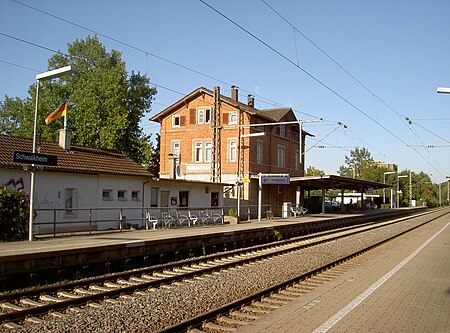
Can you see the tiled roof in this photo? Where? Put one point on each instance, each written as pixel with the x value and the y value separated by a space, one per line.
pixel 79 159
pixel 275 114
pixel 270 114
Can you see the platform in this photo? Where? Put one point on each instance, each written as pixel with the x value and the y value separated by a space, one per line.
pixel 403 287
pixel 23 263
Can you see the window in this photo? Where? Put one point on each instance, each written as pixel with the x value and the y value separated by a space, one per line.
pixel 122 195
pixel 154 197
pixel 203 116
pixel 232 118
pixel 176 147
pixel 70 201
pixel 135 195
pixel 107 194
pixel 198 151
pixel 200 116
pixel 280 162
pixel 281 130
pixel 297 160
pixel 208 151
pixel 176 121
pixel 259 152
pixel 232 151
pixel 184 198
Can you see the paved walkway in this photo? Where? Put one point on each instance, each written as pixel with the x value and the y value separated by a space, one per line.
pixel 403 287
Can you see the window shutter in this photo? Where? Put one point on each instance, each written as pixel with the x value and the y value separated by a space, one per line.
pixel 182 120
pixel 192 116
pixel 224 118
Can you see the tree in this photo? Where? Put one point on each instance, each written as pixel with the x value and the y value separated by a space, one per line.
pixel 106 104
pixel 14 208
pixel 361 165
pixel 312 171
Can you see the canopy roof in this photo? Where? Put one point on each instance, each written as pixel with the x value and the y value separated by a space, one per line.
pixel 336 182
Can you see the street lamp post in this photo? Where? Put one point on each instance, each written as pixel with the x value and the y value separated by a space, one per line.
pixel 410 186
pixel 384 182
pixel 41 77
pixel 398 189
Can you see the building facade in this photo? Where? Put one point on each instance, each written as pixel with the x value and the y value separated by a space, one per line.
pixel 210 137
pixel 96 189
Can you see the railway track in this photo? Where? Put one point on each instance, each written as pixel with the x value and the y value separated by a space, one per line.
pixel 31 305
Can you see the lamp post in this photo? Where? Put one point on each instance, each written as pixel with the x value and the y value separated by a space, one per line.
pixel 41 77
pixel 410 186
pixel 398 188
pixel 384 182
pixel 443 90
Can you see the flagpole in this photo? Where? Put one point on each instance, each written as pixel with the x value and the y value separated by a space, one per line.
pixel 65 115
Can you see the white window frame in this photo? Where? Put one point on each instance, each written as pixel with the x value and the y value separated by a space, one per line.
pixel 232 117
pixel 200 116
pixel 176 146
pixel 198 152
pixel 232 150
pixel 259 151
pixel 281 156
pixel 174 120
pixel 208 151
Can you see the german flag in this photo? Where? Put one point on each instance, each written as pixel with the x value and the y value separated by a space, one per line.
pixel 58 113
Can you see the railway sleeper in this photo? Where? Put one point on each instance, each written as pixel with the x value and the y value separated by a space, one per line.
pixel 34 320
pixel 242 316
pixel 265 305
pixel 68 295
pixel 30 302
pixel 57 314
pixel 51 299
pixel 83 291
pixel 292 293
pixel 10 306
pixel 98 288
pixel 283 297
pixel 215 328
pixel 254 310
pixel 12 326
pixel 273 301
pixel 224 320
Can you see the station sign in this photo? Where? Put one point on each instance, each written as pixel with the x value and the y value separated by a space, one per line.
pixel 33 158
pixel 275 179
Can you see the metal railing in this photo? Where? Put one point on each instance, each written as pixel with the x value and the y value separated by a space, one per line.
pixel 89 220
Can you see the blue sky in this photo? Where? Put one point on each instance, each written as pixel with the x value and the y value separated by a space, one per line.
pixel 399 51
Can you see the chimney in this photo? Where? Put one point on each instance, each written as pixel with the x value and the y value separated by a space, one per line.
pixel 234 93
pixel 251 101
pixel 64 138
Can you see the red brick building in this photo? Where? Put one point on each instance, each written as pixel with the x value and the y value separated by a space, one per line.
pixel 207 136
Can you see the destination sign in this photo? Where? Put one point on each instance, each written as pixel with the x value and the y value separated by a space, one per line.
pixel 32 158
pixel 275 179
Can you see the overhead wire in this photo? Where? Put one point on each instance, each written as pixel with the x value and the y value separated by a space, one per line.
pixel 147 53
pixel 315 78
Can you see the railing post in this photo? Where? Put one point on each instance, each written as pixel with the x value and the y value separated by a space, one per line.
pixel 54 222
pixel 248 213
pixel 120 219
pixel 90 221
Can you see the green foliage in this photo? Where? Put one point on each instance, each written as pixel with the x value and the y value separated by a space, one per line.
pixel 106 104
pixel 232 212
pixel 312 171
pixel 14 213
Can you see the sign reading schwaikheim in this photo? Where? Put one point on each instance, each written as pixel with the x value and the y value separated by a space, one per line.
pixel 32 158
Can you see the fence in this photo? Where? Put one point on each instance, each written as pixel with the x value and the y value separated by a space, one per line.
pixel 88 220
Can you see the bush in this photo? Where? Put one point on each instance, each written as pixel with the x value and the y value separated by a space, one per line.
pixel 14 214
